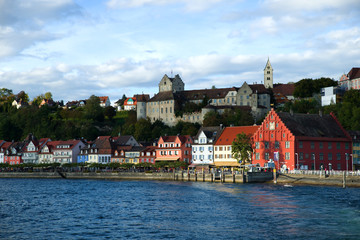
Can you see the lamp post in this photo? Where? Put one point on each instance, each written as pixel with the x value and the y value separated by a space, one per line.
pixel 346 159
pixel 297 161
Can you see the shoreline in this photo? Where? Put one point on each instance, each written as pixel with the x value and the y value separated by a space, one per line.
pixel 290 179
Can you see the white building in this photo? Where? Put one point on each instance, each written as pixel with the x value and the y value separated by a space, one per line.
pixel 203 146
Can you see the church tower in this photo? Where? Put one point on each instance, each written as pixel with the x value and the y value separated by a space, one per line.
pixel 268 75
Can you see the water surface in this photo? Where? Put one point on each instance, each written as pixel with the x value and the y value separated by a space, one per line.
pixel 96 209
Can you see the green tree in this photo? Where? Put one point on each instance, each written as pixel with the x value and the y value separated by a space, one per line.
pixel 212 119
pixel 48 95
pixel 241 148
pixel 143 130
pixel 93 110
pixel 109 112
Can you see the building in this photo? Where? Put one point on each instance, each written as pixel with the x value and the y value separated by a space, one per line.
pixel 130 104
pixel 331 95
pixel 169 103
pixel 67 151
pixel 301 141
pixel 203 146
pixel 104 101
pixel 99 151
pixel 174 148
pixel 141 100
pixel 13 152
pixel 148 155
pixel 354 158
pixel 30 152
pixel 283 93
pixel 268 75
pixel 350 80
pixel 222 148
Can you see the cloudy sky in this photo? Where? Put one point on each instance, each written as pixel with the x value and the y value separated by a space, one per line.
pixel 77 48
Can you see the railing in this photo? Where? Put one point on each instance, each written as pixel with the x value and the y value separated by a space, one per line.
pixel 327 172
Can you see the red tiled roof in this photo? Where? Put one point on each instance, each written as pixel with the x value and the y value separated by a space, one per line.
pixel 284 89
pixel 103 99
pixel 229 134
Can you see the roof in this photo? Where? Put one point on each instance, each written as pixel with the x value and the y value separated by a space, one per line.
pixel 312 125
pixel 229 134
pixel 142 97
pixel 210 93
pixel 258 88
pixel 182 138
pixel 284 89
pixel 104 99
pixel 210 132
pixel 168 95
pixel 122 140
pixel 134 101
pixel 354 73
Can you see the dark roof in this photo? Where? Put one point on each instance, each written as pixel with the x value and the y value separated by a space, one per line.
pixel 312 125
pixel 168 95
pixel 210 132
pixel 258 88
pixel 142 97
pixel 354 73
pixel 231 107
pixel 122 140
pixel 355 135
pixel 284 89
pixel 210 93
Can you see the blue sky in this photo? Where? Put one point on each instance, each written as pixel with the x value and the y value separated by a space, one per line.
pixel 77 48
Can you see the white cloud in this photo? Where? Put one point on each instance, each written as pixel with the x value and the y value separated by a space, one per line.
pixel 190 5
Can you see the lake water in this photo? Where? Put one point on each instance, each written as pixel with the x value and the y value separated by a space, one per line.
pixel 96 209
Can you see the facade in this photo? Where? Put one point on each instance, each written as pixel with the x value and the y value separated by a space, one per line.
pixel 167 105
pixel 13 153
pixel 30 153
pixel 283 93
pixel 268 75
pixel 67 151
pixel 174 84
pixel 203 146
pixel 301 141
pixel 148 155
pixel 104 101
pixel 99 151
pixel 222 148
pixel 331 95
pixel 350 80
pixel 174 148
pixel 354 158
pixel 46 154
pixel 130 104
pixel 141 100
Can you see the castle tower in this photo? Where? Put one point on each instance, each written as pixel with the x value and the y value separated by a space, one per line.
pixel 268 75
pixel 171 84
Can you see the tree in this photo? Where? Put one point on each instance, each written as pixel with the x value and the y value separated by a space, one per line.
pixel 93 110
pixel 241 148
pixel 109 112
pixel 48 96
pixel 212 119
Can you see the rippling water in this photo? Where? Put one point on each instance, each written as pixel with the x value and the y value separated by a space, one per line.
pixel 87 209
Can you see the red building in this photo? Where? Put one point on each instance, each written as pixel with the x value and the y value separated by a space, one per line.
pixel 174 148
pixel 302 141
pixel 148 155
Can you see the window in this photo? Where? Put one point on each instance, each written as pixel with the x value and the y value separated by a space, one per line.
pixel 287 144
pixel 321 145
pixel 329 145
pixel 321 156
pixel 300 144
pixel 339 166
pixel 338 156
pixel 287 156
pixel 266 145
pixel 346 145
pixel 337 145
pixel 266 156
pixel 329 156
pixel 301 156
pixel 312 145
pixel 257 156
pixel 277 144
pixel 257 145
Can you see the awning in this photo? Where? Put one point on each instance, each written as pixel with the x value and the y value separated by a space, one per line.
pixel 167 159
pixel 227 164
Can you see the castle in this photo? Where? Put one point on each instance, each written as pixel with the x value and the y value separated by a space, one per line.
pixel 254 98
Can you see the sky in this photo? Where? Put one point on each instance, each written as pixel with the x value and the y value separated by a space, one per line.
pixel 78 48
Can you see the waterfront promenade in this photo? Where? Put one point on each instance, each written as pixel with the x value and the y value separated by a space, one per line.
pixel 300 178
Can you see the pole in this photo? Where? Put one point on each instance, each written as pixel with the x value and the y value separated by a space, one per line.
pixel 297 161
